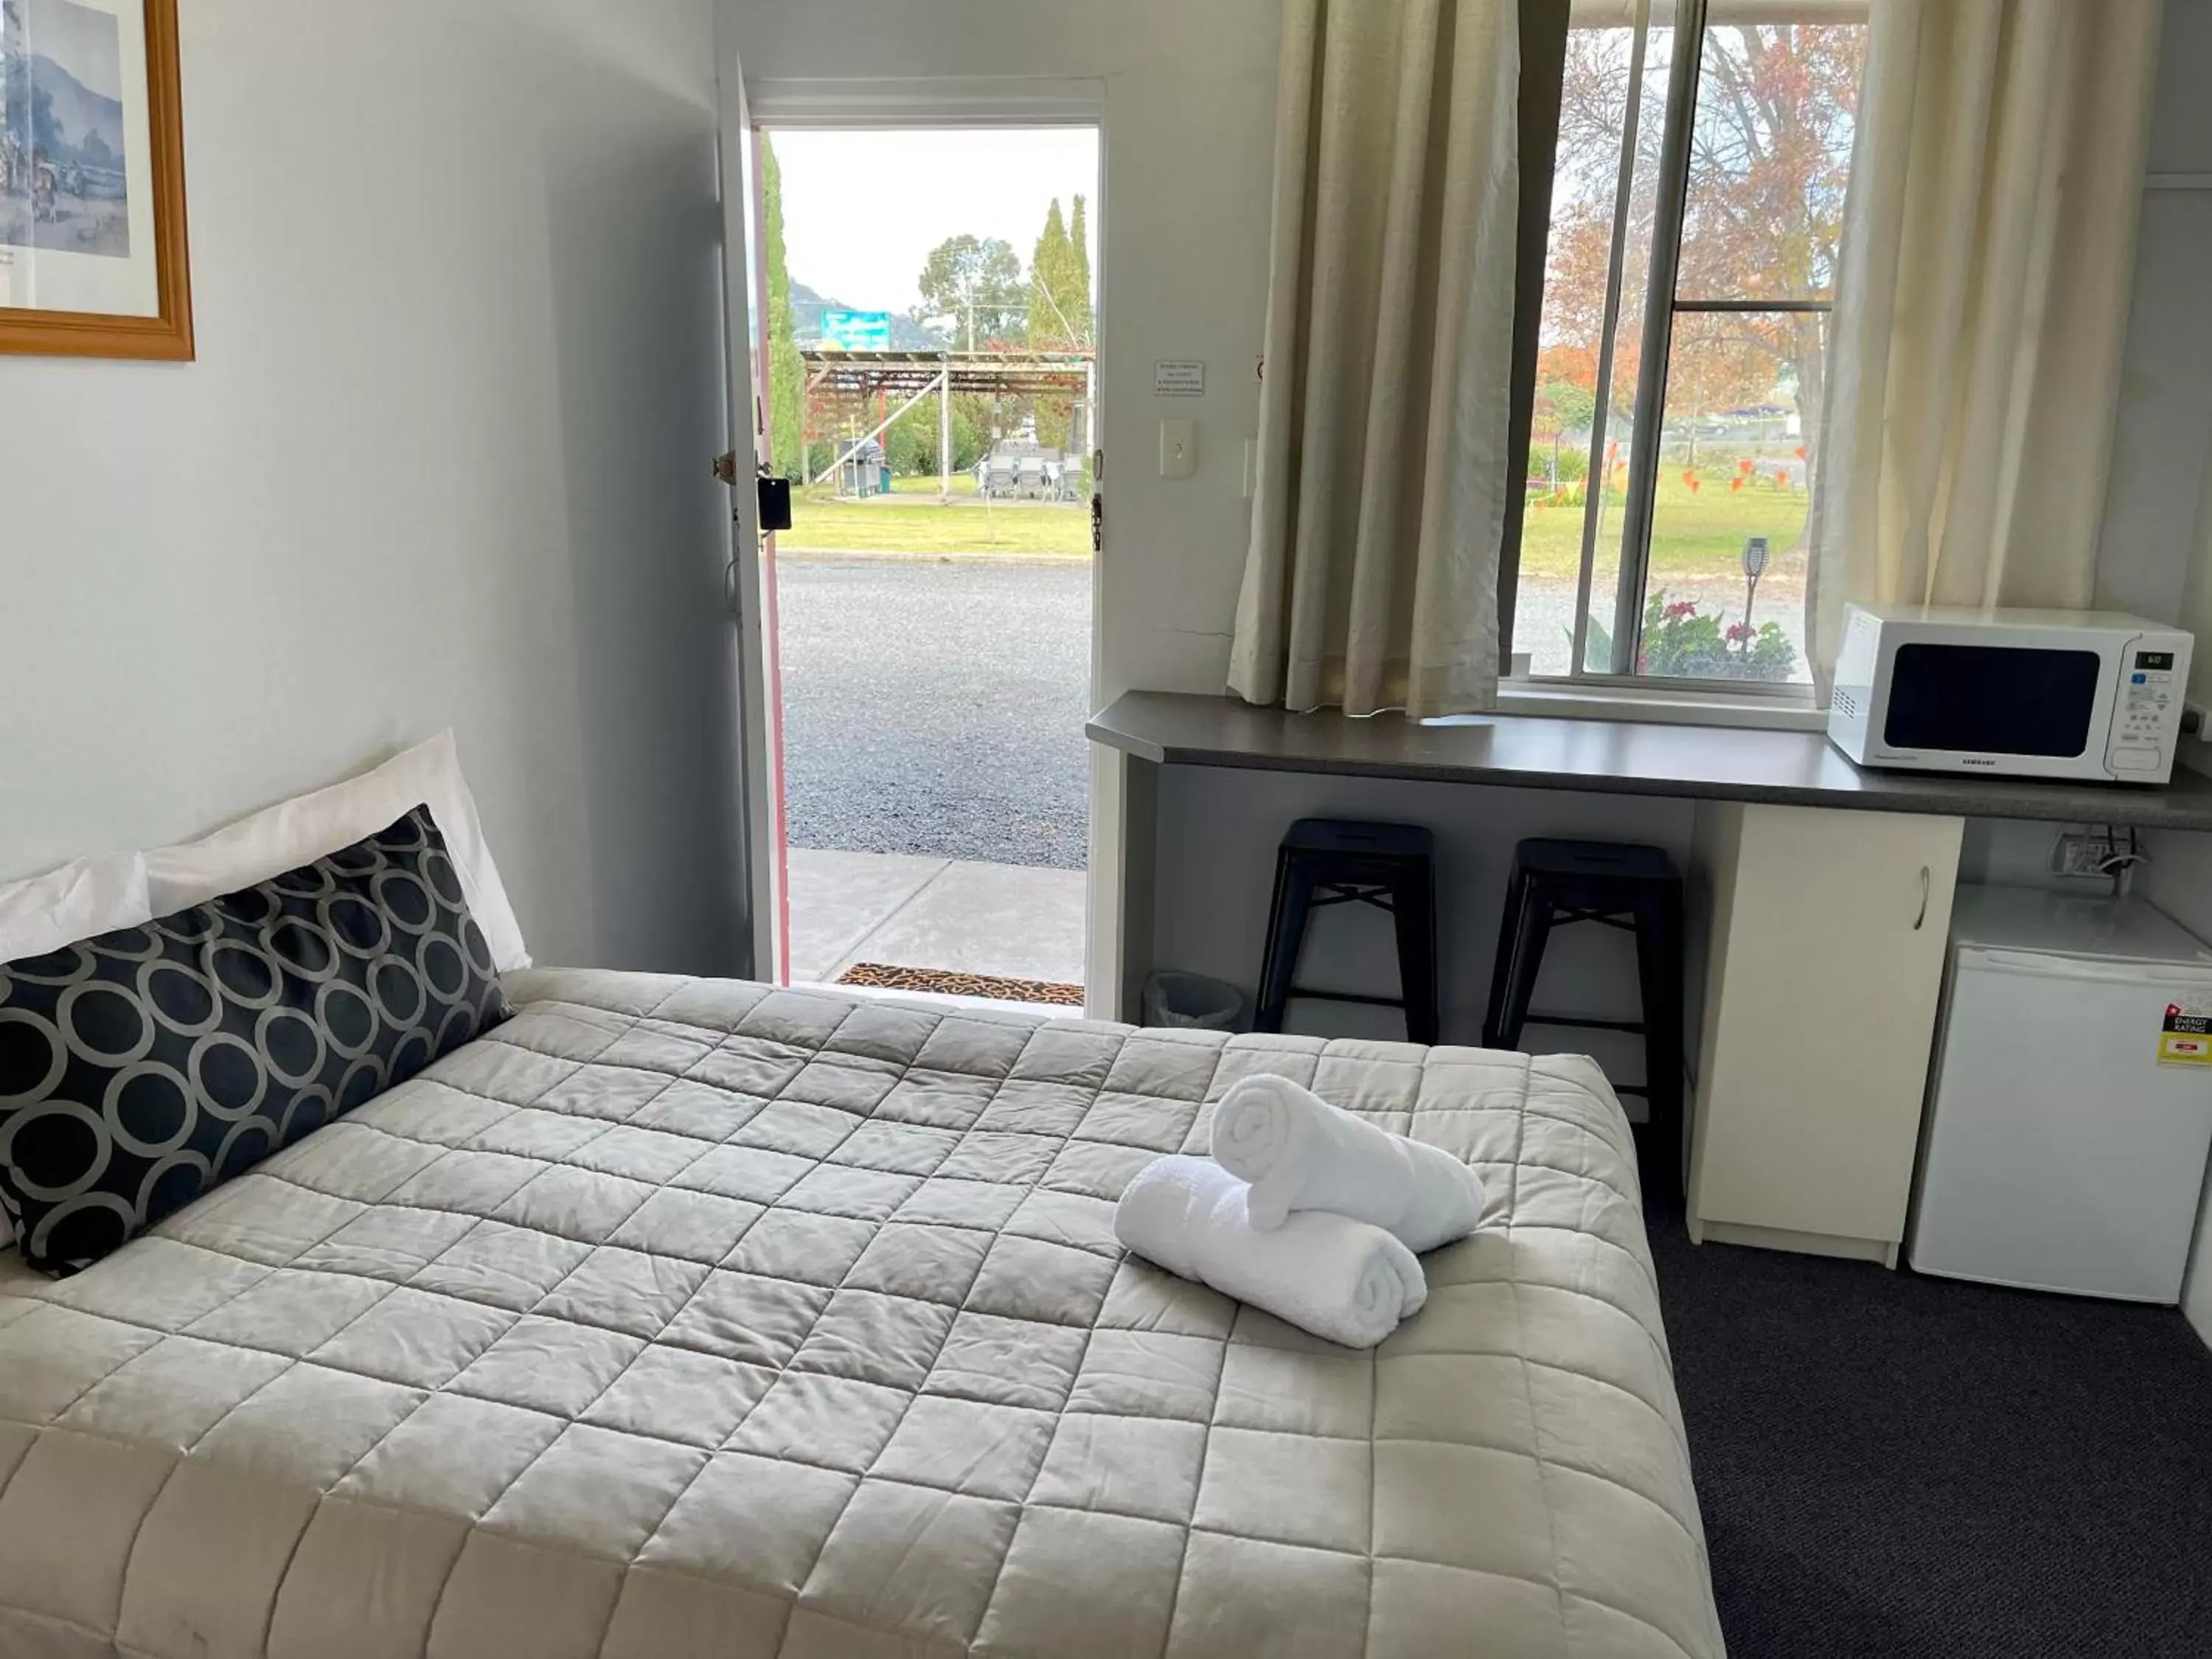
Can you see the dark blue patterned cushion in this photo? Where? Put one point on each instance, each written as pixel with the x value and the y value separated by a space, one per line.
pixel 148 1066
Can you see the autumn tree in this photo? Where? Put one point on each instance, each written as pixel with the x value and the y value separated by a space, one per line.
pixel 1770 157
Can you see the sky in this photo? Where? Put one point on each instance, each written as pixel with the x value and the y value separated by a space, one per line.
pixel 861 210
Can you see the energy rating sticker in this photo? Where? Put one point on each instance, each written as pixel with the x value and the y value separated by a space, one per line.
pixel 2186 1039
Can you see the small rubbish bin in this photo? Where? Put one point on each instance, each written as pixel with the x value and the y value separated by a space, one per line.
pixel 1192 1000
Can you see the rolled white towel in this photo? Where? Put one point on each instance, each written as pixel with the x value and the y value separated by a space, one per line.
pixel 1340 1279
pixel 1301 1153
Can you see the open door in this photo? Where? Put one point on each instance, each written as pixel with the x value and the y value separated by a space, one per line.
pixel 748 584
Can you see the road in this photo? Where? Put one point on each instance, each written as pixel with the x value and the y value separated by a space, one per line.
pixel 937 707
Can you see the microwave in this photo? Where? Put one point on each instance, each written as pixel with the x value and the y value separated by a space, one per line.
pixel 2024 694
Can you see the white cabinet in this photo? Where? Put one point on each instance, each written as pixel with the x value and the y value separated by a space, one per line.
pixel 1825 940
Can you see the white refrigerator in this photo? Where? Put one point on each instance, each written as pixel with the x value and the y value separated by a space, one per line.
pixel 2070 1110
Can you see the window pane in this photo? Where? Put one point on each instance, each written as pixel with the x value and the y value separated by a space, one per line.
pixel 1736 454
pixel 1585 188
pixel 1770 153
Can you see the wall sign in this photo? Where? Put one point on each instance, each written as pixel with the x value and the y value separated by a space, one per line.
pixel 1179 377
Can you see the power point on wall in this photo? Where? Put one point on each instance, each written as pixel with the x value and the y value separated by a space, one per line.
pixel 2106 853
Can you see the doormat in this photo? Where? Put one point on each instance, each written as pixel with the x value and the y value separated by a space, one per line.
pixel 961 985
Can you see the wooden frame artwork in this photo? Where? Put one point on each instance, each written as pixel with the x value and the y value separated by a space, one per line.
pixel 93 259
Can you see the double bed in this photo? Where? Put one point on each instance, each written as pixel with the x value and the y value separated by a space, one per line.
pixel 686 1317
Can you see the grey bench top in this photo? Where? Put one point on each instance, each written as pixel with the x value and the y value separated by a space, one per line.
pixel 1622 757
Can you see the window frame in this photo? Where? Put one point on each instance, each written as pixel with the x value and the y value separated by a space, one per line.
pixel 1542 95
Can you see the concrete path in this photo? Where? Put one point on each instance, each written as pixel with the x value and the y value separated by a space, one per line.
pixel 958 916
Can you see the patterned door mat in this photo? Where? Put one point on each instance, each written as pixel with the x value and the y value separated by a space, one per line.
pixel 888 978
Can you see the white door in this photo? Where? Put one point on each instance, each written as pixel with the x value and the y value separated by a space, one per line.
pixel 1828 958
pixel 746 584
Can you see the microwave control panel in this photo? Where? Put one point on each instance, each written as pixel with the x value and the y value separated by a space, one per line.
pixel 2147 724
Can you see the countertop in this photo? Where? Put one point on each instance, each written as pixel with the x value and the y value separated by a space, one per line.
pixel 1623 757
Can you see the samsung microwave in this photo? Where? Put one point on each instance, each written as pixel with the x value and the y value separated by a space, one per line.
pixel 2027 694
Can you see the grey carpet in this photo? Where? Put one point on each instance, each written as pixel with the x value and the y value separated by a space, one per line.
pixel 1899 1465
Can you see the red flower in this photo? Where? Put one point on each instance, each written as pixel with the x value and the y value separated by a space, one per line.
pixel 1681 608
pixel 1741 633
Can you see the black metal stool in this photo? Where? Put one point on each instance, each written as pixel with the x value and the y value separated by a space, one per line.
pixel 1637 890
pixel 1326 861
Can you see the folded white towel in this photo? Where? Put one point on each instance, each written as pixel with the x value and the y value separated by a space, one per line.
pixel 1299 1152
pixel 1340 1279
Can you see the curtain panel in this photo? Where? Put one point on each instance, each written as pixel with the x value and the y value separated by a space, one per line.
pixel 1371 578
pixel 1988 259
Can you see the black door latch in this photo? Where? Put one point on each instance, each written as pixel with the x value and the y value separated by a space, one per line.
pixel 775 504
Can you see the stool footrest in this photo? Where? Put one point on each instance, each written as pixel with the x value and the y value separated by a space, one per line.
pixel 1296 992
pixel 1577 1020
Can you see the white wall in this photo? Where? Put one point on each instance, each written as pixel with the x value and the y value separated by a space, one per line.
pixel 442 461
pixel 2196 617
pixel 2163 440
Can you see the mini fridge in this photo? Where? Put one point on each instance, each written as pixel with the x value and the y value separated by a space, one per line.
pixel 2070 1113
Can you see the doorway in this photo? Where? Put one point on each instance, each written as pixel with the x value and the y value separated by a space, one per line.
pixel 926 344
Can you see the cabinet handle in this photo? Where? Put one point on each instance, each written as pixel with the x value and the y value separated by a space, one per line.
pixel 1918 921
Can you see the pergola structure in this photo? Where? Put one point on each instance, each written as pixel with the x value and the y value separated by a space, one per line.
pixel 861 377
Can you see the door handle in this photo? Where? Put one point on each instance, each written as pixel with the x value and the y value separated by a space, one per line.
pixel 1920 920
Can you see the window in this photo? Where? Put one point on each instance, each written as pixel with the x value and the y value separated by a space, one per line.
pixel 1703 147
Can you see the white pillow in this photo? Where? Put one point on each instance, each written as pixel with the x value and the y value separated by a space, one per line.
pixel 80 900
pixel 307 827
pixel 89 896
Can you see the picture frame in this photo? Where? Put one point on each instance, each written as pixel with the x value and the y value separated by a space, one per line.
pixel 95 258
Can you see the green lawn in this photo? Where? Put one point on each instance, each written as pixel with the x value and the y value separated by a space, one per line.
pixel 1698 533
pixel 926 526
pixel 963 484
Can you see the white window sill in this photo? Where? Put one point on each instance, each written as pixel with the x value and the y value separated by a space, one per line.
pixel 1564 701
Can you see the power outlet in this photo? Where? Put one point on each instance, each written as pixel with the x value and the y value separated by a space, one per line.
pixel 2085 855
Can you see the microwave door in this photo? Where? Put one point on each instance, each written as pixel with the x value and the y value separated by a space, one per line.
pixel 2019 701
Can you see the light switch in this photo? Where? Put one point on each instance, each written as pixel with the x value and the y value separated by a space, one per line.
pixel 1178 447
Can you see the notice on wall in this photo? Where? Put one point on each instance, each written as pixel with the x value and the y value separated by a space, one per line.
pixel 2186 1039
pixel 1179 377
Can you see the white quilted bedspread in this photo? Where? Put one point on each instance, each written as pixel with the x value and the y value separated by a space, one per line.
pixel 687 1318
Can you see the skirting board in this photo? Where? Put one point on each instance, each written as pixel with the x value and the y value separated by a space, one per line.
pixel 1781 1239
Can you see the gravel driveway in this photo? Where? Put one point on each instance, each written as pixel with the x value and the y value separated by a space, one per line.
pixel 937 707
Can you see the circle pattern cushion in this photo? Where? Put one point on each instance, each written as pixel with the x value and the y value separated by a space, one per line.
pixel 144 1067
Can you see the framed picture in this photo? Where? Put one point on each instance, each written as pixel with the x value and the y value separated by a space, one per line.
pixel 92 258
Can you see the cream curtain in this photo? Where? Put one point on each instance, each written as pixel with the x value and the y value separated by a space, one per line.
pixel 1988 254
pixel 1371 578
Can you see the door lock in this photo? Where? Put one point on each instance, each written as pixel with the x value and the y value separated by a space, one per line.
pixel 774 503
pixel 773 493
